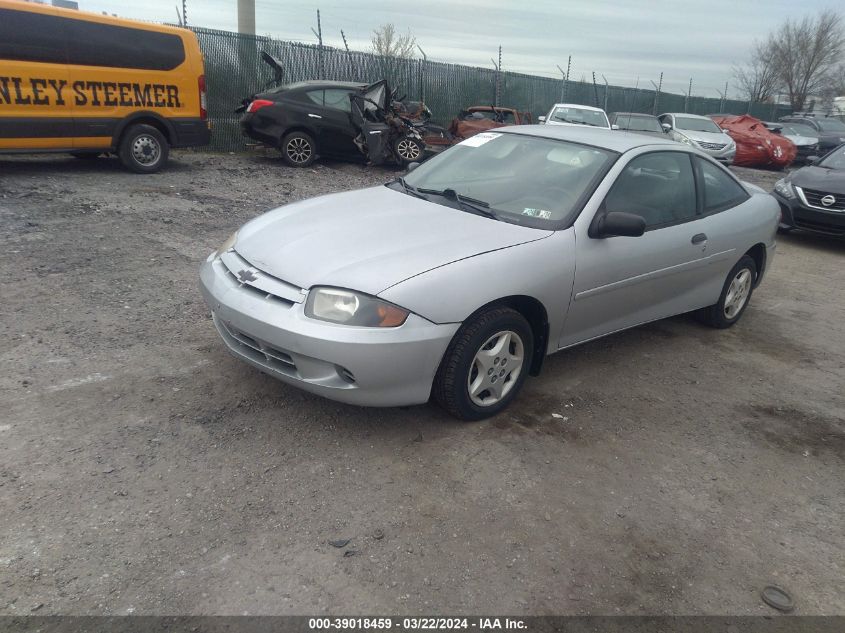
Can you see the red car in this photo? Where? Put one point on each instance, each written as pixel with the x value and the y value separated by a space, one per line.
pixel 756 146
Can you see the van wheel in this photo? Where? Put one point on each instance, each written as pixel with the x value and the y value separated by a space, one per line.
pixel 143 149
pixel 86 155
pixel 298 149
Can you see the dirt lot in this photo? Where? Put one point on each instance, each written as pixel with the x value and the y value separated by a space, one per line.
pixel 144 470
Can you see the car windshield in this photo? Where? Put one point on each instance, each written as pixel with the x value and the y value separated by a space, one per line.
pixel 502 116
pixel 831 125
pixel 834 160
pixel 696 125
pixel 798 129
pixel 524 179
pixel 582 116
pixel 638 123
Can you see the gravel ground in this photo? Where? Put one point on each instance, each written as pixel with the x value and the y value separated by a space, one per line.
pixel 144 470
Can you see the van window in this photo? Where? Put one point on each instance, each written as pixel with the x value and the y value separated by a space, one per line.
pixel 31 37
pixel 36 37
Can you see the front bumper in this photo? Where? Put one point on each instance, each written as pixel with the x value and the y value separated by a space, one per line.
pixel 364 366
pixel 796 215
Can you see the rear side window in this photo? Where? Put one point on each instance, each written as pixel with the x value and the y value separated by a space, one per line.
pixel 720 190
pixel 36 37
pixel 338 99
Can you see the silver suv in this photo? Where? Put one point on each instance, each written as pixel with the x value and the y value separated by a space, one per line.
pixel 701 133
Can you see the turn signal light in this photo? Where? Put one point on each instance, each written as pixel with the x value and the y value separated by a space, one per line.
pixel 391 316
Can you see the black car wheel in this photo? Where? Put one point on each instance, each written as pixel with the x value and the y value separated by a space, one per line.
pixel 408 149
pixel 298 149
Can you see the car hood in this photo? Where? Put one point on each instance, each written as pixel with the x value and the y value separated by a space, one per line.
pixel 801 140
pixel 706 137
pixel 819 178
pixel 647 133
pixel 369 240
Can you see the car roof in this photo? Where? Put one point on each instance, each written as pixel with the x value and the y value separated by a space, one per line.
pixel 634 114
pixel 325 84
pixel 614 140
pixel 691 116
pixel 577 105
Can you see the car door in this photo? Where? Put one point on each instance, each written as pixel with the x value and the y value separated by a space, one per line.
pixel 337 132
pixel 624 281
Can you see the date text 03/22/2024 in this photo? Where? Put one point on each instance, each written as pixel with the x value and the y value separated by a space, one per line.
pixel 417 624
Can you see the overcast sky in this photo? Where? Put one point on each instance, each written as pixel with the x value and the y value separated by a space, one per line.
pixel 622 39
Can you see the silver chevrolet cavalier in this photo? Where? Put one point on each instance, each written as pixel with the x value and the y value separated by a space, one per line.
pixel 455 281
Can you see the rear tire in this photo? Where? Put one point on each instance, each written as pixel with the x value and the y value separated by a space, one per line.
pixel 298 149
pixel 485 365
pixel 143 149
pixel 735 297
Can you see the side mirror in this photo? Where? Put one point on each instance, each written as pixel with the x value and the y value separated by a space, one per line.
pixel 614 127
pixel 412 166
pixel 541 119
pixel 666 126
pixel 812 160
pixel 618 223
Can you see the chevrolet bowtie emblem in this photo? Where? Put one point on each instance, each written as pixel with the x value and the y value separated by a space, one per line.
pixel 246 275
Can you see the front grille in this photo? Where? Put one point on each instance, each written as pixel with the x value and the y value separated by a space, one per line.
pixel 819 227
pixel 256 281
pixel 713 147
pixel 814 197
pixel 257 350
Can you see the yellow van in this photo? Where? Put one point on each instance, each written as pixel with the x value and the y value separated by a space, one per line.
pixel 91 84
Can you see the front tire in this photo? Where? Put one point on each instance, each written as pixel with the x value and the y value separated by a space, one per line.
pixel 485 365
pixel 408 150
pixel 736 294
pixel 143 149
pixel 298 149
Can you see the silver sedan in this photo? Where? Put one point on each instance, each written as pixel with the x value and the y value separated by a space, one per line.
pixel 457 280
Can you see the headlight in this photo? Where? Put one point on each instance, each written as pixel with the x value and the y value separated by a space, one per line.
pixel 784 188
pixel 228 244
pixel 352 308
pixel 731 144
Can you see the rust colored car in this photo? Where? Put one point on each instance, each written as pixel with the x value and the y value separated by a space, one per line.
pixel 477 119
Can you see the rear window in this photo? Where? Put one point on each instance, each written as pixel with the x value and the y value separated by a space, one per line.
pixel 36 37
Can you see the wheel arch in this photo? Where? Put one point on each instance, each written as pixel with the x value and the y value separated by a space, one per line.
pixel 144 118
pixel 535 313
pixel 758 254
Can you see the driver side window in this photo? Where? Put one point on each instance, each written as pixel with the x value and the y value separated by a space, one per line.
pixel 659 187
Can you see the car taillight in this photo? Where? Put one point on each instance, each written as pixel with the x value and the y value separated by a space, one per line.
pixel 256 105
pixel 203 99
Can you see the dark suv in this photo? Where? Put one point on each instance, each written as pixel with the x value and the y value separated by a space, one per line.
pixel 830 130
pixel 305 119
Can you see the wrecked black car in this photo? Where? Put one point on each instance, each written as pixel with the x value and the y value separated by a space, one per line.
pixel 336 119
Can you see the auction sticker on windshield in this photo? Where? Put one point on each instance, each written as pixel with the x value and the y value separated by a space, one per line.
pixel 479 139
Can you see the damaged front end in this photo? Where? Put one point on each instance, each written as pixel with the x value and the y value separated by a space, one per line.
pixel 387 132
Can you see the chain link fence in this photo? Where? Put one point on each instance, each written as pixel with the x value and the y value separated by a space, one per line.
pixel 234 71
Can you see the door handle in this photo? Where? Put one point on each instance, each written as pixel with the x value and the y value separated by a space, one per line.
pixel 314 116
pixel 699 238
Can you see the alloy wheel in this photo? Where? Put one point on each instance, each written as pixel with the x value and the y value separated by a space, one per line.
pixel 298 150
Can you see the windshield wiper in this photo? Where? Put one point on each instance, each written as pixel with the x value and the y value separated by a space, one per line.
pixel 408 188
pixel 477 206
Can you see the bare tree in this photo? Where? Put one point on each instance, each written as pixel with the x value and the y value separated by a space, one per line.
pixel 758 80
pixel 806 52
pixel 388 43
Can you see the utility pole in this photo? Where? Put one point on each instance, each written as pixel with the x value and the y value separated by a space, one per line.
pixel 657 88
pixel 498 68
pixel 246 17
pixel 319 34
pixel 606 87
pixel 595 90
pixel 688 96
pixel 348 56
pixel 422 65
